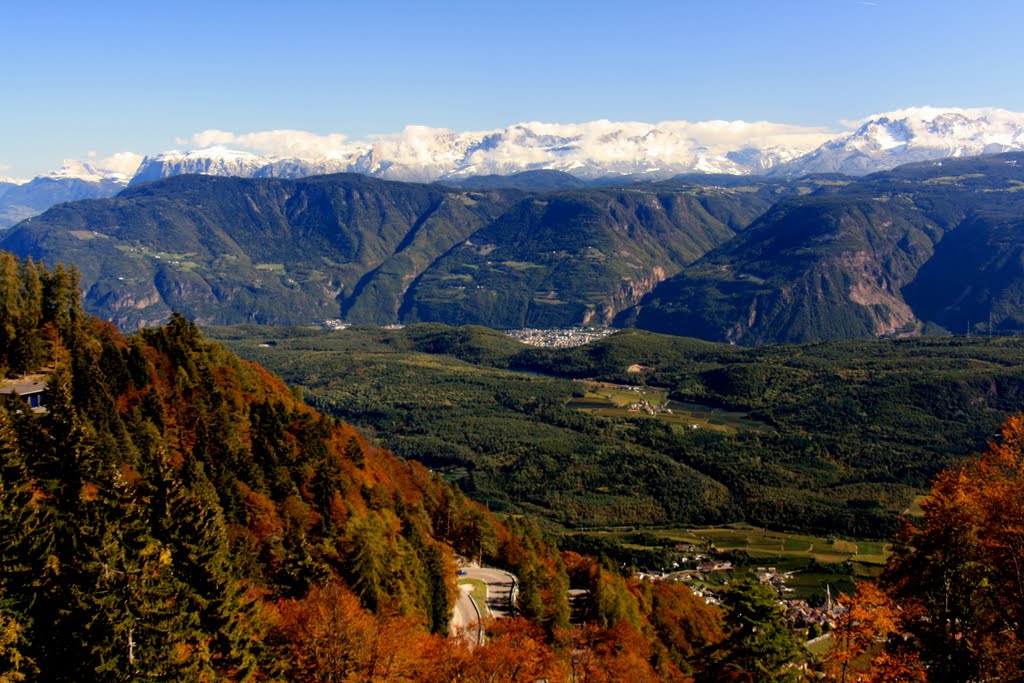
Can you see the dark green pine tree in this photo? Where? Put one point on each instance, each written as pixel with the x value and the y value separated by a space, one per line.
pixel 434 574
pixel 530 602
pixel 24 541
pixel 10 310
pixel 58 299
pixel 68 460
pixel 130 597
pixel 439 610
pixel 189 519
pixel 368 559
pixel 27 354
pixel 759 645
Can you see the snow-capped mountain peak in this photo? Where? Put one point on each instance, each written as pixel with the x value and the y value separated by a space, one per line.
pixel 592 149
pixel 596 148
pixel 887 140
pixel 222 161
pixel 83 170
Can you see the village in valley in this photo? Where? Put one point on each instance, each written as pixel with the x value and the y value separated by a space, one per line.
pixel 560 338
pixel 708 576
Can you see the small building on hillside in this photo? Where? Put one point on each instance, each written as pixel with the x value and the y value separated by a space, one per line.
pixel 33 393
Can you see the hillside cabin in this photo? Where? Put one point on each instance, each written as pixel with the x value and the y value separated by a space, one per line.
pixel 33 393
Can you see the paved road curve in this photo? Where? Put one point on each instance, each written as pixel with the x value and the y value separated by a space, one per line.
pixel 500 584
pixel 499 589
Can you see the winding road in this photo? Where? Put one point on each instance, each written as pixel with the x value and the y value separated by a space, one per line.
pixel 500 587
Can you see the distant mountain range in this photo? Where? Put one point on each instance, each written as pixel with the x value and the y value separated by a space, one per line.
pixel 601 148
pixel 281 251
pixel 928 247
pixel 590 151
pixel 76 180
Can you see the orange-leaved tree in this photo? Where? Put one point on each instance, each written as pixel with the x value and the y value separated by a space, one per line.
pixel 867 643
pixel 962 566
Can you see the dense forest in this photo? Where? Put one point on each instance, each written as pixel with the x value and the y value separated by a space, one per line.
pixel 832 438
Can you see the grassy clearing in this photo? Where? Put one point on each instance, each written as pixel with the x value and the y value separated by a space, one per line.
pixel 171 256
pixel 479 593
pixel 519 265
pixel 612 400
pixel 276 268
pixel 820 647
pixel 760 543
pixel 86 235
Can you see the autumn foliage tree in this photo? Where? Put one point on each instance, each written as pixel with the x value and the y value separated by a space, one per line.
pixel 962 566
pixel 867 643
pixel 328 636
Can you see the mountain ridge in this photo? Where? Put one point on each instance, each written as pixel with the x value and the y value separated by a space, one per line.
pixel 602 148
pixel 590 152
pixel 301 251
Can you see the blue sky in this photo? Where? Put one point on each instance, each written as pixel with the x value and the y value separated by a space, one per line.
pixel 107 77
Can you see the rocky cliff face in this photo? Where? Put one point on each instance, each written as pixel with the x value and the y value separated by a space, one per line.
pixel 628 294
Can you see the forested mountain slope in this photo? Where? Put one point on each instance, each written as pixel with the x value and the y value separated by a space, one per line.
pixel 225 250
pixel 575 257
pixel 934 245
pixel 230 249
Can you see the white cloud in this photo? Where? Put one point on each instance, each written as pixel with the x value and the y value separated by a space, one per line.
pixel 121 162
pixel 275 143
pixel 527 144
